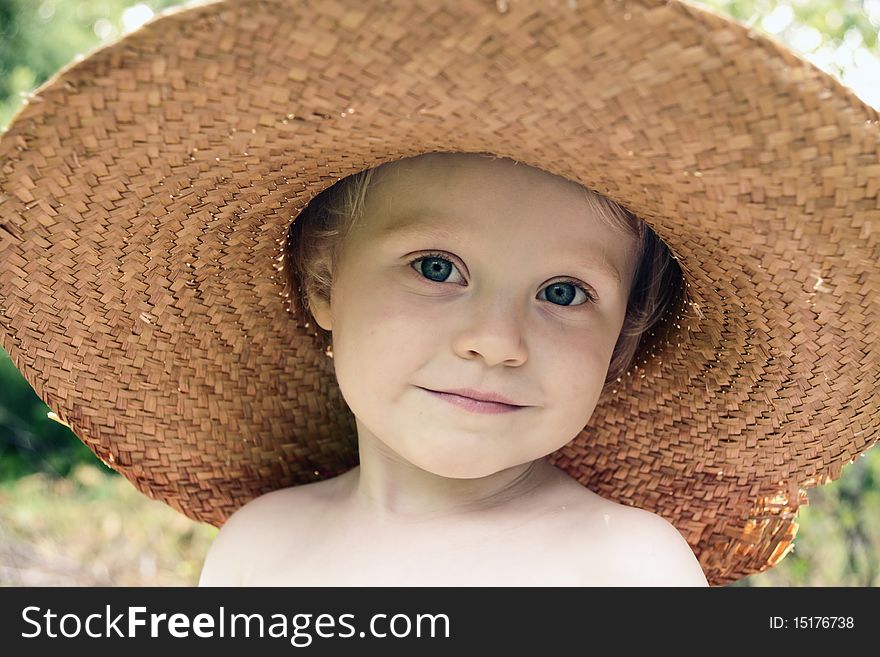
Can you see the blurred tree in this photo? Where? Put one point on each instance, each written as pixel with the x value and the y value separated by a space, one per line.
pixel 39 37
pixel 831 18
pixel 838 36
pixel 30 441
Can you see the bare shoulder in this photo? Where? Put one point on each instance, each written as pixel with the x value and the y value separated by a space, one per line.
pixel 612 544
pixel 250 533
pixel 648 550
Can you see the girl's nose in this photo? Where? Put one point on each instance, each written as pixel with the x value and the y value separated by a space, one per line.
pixel 494 333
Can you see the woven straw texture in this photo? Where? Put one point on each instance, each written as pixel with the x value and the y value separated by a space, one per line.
pixel 146 192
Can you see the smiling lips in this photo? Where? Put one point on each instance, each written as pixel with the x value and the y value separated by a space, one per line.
pixel 474 405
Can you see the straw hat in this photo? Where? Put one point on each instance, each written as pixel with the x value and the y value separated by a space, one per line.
pixel 146 193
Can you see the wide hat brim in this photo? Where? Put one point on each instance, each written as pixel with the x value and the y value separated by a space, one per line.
pixel 146 193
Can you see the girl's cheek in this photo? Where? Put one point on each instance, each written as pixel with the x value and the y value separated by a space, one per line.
pixel 405 300
pixel 579 364
pixel 396 321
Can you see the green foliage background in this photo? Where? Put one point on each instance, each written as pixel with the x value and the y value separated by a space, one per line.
pixel 839 539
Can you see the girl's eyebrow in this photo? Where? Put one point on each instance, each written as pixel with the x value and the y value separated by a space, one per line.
pixel 603 266
pixel 408 229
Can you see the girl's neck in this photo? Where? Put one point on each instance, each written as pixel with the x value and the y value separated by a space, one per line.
pixel 390 488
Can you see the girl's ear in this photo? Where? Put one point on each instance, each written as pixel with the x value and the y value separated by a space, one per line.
pixel 320 309
pixel 318 294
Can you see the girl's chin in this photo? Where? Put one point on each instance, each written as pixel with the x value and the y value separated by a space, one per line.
pixel 458 470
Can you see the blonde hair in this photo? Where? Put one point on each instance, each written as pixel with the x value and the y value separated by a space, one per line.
pixel 315 238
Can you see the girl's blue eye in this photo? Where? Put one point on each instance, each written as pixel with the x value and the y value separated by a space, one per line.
pixel 437 268
pixel 565 292
pixel 434 268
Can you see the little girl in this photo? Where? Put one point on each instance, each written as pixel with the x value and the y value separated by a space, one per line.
pixel 453 291
pixel 464 278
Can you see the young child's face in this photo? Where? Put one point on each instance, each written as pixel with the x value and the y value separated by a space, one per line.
pixel 487 316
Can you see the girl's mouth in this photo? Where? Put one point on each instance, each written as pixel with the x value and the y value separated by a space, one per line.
pixel 473 405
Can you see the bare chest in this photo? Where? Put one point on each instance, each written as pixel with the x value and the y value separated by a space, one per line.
pixel 426 569
pixel 528 555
